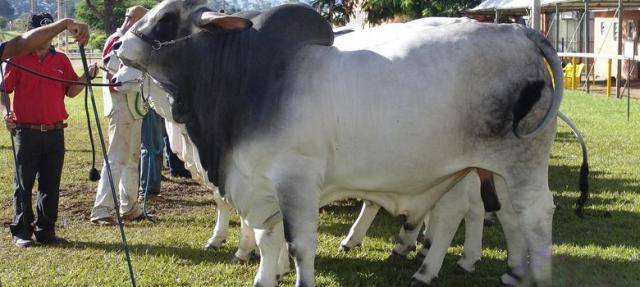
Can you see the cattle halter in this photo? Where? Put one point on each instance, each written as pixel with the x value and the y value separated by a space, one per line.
pixel 156 44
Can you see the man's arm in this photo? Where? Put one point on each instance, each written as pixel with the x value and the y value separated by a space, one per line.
pixel 74 90
pixel 30 41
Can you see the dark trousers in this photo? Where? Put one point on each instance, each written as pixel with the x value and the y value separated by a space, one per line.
pixel 39 154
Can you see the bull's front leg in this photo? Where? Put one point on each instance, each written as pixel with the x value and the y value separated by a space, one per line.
pixel 406 241
pixel 360 227
pixel 219 235
pixel 247 244
pixel 298 196
pixel 270 242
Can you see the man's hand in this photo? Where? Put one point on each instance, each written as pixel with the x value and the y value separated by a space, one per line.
pixel 79 31
pixel 93 71
pixel 8 122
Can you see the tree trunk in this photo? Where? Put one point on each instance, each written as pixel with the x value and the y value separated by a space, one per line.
pixel 106 14
pixel 107 18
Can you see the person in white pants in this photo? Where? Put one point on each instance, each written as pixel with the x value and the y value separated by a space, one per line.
pixel 125 123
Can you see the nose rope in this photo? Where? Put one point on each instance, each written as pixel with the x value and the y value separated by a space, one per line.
pixel 58 79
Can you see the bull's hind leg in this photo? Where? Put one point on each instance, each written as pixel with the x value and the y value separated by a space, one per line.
pixel 533 203
pixel 516 244
pixel 473 227
pixel 444 221
pixel 360 227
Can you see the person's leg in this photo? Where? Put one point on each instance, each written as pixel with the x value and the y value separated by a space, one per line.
pixel 27 151
pixel 128 188
pixel 49 172
pixel 118 135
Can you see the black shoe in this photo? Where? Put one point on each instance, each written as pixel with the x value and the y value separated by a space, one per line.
pixel 51 240
pixel 22 243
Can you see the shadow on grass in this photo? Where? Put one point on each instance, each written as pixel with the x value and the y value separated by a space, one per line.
pixel 566 137
pixel 194 255
pixel 567 271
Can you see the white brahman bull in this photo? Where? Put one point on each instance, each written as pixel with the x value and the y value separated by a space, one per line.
pixel 284 123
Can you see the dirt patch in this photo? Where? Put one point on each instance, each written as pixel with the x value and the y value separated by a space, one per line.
pixel 178 195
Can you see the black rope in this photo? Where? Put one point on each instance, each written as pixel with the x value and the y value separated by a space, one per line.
pixel 149 157
pixel 108 167
pixel 58 79
pixel 21 192
pixel 94 175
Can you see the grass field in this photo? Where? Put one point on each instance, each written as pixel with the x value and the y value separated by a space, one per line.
pixel 601 250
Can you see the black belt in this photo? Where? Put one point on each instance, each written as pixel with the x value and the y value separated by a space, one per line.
pixel 43 127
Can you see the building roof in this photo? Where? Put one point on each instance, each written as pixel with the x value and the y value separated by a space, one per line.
pixel 522 6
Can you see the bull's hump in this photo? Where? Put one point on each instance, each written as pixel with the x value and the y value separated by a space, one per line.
pixel 294 24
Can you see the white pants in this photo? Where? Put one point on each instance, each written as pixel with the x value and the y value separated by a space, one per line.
pixel 124 156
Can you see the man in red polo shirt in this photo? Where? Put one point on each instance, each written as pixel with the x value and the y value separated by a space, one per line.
pixel 36 121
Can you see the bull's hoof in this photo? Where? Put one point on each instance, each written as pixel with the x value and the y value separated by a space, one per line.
pixel 420 257
pixel 417 283
pixel 396 256
pixel 461 271
pixel 346 249
pixel 214 244
pixel 426 244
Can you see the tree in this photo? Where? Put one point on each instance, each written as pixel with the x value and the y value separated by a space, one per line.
pixel 6 10
pixel 381 10
pixel 106 15
pixel 335 11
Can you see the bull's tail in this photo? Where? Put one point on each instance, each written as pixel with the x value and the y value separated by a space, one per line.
pixel 551 57
pixel 584 169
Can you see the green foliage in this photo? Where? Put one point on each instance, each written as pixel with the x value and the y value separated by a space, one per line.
pixel 97 41
pixel 333 10
pixel 3 22
pixel 120 7
pixel 381 10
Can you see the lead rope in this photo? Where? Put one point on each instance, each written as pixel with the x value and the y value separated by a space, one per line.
pixel 108 167
pixel 146 186
pixel 94 175
pixel 21 191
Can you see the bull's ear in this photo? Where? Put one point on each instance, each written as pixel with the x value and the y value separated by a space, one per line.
pixel 216 22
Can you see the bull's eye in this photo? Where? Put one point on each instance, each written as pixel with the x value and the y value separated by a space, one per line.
pixel 167 17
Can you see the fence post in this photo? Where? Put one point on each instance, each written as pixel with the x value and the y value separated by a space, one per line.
pixel 573 73
pixel 608 78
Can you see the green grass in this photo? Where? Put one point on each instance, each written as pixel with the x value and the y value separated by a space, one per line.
pixel 602 250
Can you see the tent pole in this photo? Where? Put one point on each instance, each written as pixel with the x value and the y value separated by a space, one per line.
pixel 586 41
pixel 535 15
pixel 619 70
pixel 557 37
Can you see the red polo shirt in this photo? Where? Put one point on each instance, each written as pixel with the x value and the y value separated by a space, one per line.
pixel 38 100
